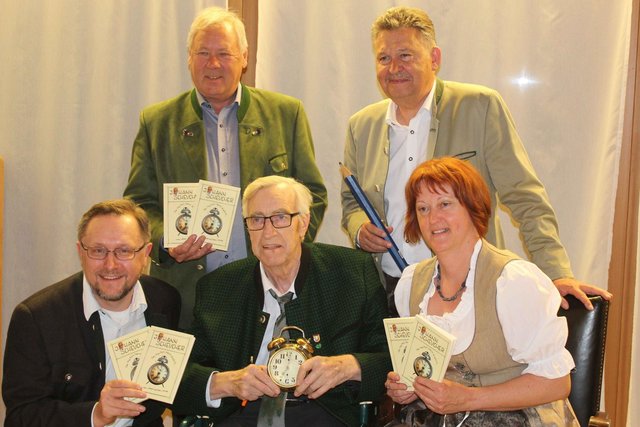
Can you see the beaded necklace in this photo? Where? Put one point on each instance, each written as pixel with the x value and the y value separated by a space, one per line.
pixel 463 286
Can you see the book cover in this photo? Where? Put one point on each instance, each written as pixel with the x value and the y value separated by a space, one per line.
pixel 180 204
pixel 127 351
pixel 217 204
pixel 429 352
pixel 399 332
pixel 160 370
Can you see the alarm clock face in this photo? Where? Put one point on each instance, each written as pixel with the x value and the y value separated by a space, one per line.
pixel 182 223
pixel 422 367
pixel 158 373
pixel 283 366
pixel 212 224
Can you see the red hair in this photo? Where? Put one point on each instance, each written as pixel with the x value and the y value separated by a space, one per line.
pixel 466 184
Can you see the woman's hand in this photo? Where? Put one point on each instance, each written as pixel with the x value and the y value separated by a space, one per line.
pixel 397 391
pixel 524 391
pixel 447 397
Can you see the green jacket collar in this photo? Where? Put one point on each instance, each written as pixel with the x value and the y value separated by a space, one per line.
pixel 245 100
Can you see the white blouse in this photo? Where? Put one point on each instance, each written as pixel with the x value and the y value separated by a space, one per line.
pixel 527 303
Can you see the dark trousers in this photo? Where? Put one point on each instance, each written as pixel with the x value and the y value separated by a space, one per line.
pixel 296 414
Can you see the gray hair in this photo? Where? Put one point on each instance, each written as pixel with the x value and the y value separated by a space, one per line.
pixel 405 17
pixel 302 193
pixel 119 207
pixel 215 17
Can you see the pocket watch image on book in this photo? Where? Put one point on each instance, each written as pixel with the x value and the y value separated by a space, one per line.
pixel 212 224
pixel 158 373
pixel 182 222
pixel 286 357
pixel 422 365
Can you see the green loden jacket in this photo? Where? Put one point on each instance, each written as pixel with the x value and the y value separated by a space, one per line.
pixel 340 305
pixel 274 138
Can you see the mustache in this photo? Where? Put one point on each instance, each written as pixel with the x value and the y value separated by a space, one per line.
pixel 398 76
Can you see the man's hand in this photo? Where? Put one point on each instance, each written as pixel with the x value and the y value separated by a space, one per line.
pixel 397 391
pixel 579 290
pixel 249 383
pixel 112 403
pixel 371 238
pixel 320 374
pixel 193 248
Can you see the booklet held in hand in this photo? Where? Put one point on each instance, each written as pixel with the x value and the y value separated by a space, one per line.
pixel 418 347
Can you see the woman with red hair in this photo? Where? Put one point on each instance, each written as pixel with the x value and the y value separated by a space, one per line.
pixel 509 363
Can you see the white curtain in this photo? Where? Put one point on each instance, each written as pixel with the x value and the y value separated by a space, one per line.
pixel 74 75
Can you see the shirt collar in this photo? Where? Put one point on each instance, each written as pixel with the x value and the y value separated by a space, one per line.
pixel 393 107
pixel 91 305
pixel 267 284
pixel 203 102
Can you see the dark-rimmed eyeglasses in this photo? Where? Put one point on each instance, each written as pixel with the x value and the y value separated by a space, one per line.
pixel 280 220
pixel 123 254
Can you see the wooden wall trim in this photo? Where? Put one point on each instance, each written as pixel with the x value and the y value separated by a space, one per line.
pixel 248 11
pixel 622 267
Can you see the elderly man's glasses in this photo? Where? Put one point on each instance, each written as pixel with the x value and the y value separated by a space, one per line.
pixel 281 220
pixel 123 254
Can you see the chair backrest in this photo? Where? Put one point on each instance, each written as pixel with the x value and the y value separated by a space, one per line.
pixel 587 336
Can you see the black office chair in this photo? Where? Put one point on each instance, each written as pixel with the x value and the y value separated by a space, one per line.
pixel 587 337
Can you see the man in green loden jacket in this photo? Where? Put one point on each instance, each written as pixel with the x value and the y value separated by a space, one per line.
pixel 220 131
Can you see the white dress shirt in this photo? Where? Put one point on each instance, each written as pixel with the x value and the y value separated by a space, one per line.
pixel 115 324
pixel 407 149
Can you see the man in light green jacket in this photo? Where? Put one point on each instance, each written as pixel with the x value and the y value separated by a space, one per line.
pixel 221 131
pixel 425 117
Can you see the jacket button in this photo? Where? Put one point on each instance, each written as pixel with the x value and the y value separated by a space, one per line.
pixel 68 377
pixel 199 267
pixel 262 319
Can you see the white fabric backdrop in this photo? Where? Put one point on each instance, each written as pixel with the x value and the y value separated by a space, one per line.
pixel 75 74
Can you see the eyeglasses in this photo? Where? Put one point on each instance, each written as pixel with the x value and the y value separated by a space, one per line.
pixel 281 220
pixel 123 254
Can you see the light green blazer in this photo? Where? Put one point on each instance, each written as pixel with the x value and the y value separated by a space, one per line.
pixel 473 123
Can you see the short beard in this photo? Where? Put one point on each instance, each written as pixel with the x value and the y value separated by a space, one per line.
pixel 113 298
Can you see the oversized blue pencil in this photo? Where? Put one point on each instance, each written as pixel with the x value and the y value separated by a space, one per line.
pixel 365 204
